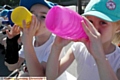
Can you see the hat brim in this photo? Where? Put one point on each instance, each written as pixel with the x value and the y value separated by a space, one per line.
pixel 29 3
pixel 101 15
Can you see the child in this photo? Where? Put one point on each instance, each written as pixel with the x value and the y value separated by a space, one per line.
pixel 92 55
pixel 35 50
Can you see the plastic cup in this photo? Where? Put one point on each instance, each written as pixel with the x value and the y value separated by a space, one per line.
pixel 19 14
pixel 65 23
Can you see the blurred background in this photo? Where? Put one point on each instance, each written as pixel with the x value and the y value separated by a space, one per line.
pixel 80 3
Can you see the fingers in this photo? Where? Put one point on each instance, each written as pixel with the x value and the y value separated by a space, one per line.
pixel 24 24
pixel 13 32
pixel 86 28
pixel 32 23
pixel 90 26
pixel 35 24
pixel 7 31
pixel 9 35
pixel 9 27
pixel 16 29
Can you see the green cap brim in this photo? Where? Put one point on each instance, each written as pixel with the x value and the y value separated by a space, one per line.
pixel 101 15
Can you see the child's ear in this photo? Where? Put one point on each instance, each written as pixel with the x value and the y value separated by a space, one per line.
pixel 118 30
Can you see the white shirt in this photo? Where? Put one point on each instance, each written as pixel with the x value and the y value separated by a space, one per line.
pixel 42 53
pixel 86 65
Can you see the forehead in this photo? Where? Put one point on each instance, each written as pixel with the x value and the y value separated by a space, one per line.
pixel 39 8
pixel 94 18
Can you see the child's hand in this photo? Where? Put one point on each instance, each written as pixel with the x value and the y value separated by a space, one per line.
pixel 60 42
pixel 94 44
pixel 15 30
pixel 28 33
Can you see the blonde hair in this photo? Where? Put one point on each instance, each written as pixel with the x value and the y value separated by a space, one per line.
pixel 116 39
pixel 118 22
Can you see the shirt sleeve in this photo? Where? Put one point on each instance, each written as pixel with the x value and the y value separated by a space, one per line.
pixel 79 50
pixel 21 52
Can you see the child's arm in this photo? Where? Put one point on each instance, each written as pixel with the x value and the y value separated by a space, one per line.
pixel 95 47
pixel 35 68
pixel 12 59
pixel 56 67
pixel 105 70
